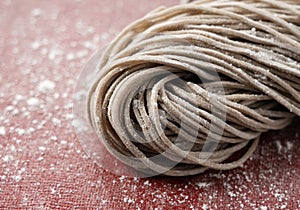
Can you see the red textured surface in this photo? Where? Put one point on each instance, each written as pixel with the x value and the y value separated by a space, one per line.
pixel 42 164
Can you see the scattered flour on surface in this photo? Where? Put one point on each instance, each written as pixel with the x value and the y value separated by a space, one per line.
pixel 33 101
pixel 56 121
pixel 203 184
pixel 70 56
pixel 42 148
pixel 36 12
pixel 289 145
pixel 17 178
pixel 46 86
pixel 147 183
pixel 20 131
pixel 205 207
pixel 2 131
pixel 53 138
pixel 35 45
pixel 79 125
pixel 82 53
pixel 19 97
pixel 53 53
pixel 40 158
pixel 9 108
pixel 7 158
pixel 63 142
pixel 279 146
pixel 53 191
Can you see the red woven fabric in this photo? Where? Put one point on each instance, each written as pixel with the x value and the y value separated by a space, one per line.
pixel 43 47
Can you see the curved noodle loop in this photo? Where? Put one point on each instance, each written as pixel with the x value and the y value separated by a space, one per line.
pixel 192 87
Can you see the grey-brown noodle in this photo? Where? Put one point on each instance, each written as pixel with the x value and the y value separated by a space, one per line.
pixel 192 87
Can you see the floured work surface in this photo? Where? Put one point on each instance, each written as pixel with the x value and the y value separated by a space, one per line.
pixel 43 47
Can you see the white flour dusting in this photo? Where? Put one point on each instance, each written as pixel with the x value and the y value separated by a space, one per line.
pixel 33 101
pixel 46 85
pixel 2 131
pixel 36 12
